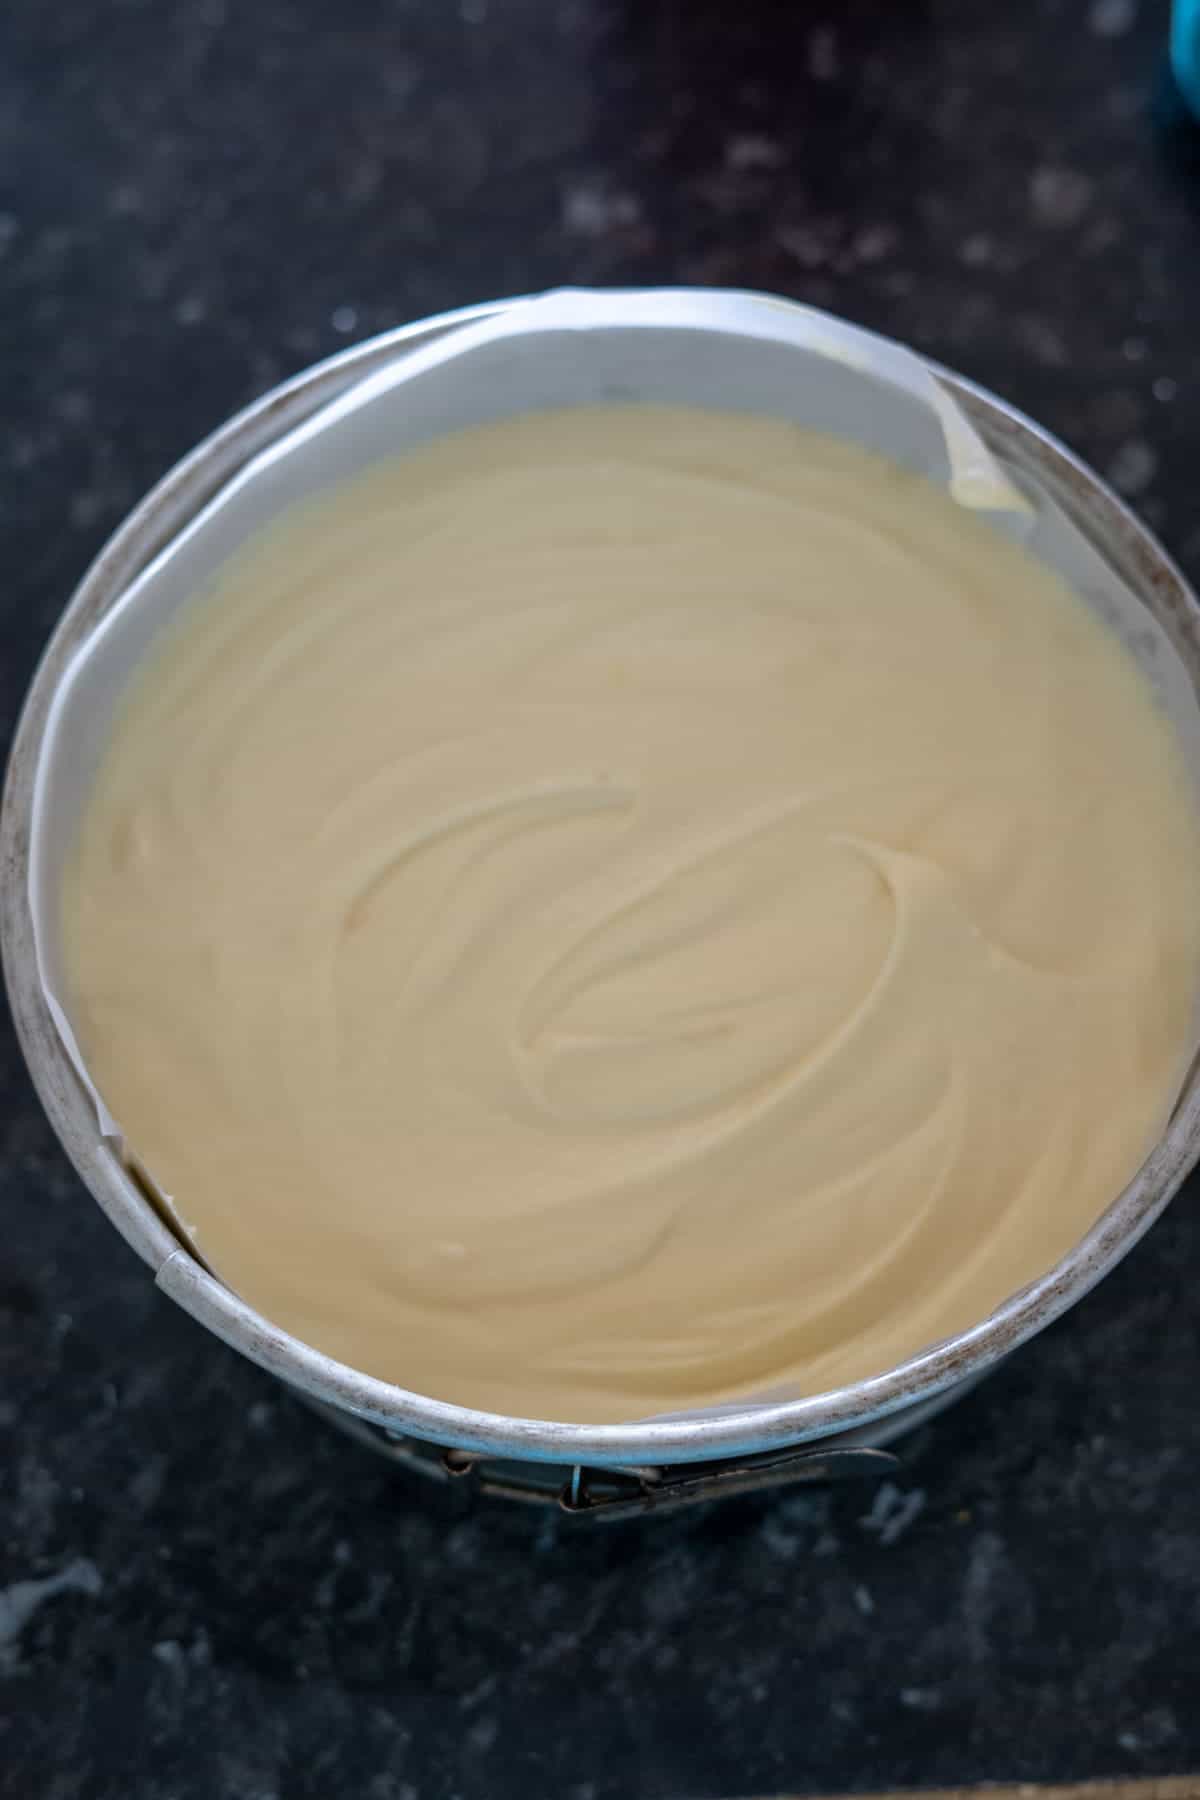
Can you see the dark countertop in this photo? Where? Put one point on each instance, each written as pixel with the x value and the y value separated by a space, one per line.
pixel 203 1592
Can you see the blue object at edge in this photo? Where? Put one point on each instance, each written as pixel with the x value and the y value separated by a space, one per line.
pixel 1185 50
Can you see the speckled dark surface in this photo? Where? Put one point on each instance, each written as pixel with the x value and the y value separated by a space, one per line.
pixel 203 1594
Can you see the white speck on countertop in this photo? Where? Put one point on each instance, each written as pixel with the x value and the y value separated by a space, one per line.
pixel 591 209
pixel 21 1599
pixel 893 1512
pixel 482 1735
pixel 191 309
pixel 1133 467
pixel 1112 18
pixel 977 250
pixel 125 199
pixel 873 243
pixel 1058 196
pixel 751 151
pixel 823 60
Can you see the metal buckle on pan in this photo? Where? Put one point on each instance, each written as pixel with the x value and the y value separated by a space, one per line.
pixel 615 1494
pixel 621 1492
pixel 620 1495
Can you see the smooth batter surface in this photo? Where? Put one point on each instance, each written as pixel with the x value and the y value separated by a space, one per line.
pixel 629 908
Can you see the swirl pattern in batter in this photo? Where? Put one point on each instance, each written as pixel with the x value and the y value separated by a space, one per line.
pixel 629 908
